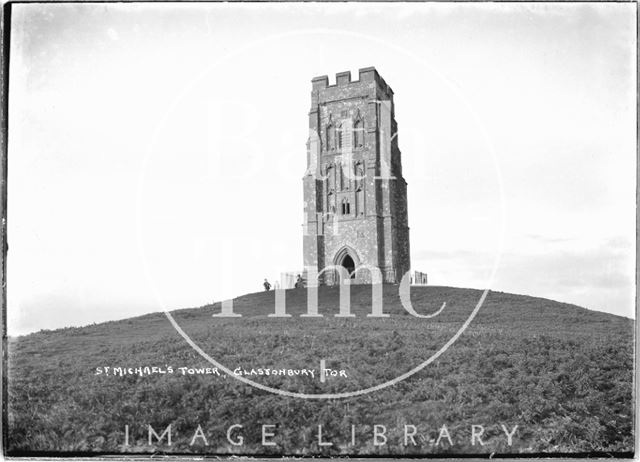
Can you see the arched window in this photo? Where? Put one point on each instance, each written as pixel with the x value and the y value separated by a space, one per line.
pixel 346 207
pixel 339 131
pixel 358 134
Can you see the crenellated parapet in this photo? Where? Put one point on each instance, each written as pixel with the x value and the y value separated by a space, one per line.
pixel 368 76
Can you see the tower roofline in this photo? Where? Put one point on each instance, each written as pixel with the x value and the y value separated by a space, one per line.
pixel 365 74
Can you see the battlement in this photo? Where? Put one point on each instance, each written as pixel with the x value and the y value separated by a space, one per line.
pixel 367 74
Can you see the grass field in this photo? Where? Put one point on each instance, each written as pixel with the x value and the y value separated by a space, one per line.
pixel 559 372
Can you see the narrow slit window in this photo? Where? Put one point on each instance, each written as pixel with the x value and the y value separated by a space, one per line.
pixel 358 134
pixel 331 137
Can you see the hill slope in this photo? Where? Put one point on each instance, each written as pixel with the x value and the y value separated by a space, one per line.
pixel 561 373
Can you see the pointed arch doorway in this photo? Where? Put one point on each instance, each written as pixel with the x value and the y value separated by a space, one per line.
pixel 350 265
pixel 348 259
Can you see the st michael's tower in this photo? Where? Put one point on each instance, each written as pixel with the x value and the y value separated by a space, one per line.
pixel 355 198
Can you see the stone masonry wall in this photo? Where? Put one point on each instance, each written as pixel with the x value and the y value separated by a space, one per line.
pixel 347 210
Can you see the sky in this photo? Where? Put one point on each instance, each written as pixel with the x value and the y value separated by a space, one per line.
pixel 156 151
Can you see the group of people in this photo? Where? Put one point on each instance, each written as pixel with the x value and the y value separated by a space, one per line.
pixel 298 285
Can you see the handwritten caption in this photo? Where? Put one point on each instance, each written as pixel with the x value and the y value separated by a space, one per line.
pixel 144 371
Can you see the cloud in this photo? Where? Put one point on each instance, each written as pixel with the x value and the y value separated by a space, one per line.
pixel 112 33
pixel 597 275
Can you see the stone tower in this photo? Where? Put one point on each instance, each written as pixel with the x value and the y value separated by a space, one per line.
pixel 355 198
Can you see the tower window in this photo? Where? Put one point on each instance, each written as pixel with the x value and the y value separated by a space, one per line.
pixel 358 134
pixel 331 137
pixel 346 207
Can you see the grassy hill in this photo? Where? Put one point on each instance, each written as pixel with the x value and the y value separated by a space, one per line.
pixel 561 373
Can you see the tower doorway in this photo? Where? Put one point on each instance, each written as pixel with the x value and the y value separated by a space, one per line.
pixel 349 264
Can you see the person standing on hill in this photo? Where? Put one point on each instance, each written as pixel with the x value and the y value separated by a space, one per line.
pixel 267 285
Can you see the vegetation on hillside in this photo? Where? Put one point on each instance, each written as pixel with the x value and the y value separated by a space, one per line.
pixel 561 373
